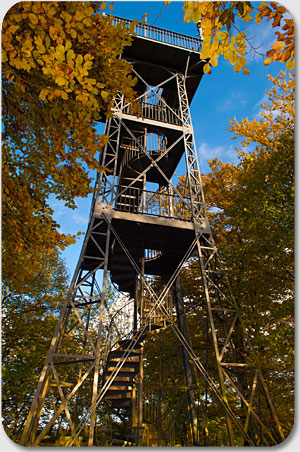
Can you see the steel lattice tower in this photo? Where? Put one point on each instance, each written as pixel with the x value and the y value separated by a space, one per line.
pixel 143 230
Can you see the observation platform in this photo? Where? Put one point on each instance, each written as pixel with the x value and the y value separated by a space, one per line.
pixel 165 237
pixel 155 51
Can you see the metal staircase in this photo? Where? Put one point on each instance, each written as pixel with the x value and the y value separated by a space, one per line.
pixel 120 392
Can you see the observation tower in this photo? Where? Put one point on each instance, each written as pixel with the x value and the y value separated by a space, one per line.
pixel 157 364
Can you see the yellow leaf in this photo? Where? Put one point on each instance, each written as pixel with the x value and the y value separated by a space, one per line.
pixel 233 58
pixel 79 60
pixel 188 16
pixel 68 45
pixel 103 5
pixel 104 95
pixel 60 81
pixel 290 65
pixel 64 95
pixel 247 18
pixel 33 18
pixel 242 61
pixel 221 35
pixel 89 11
pixel 79 15
pixel 278 45
pixel 73 33
pixel 267 61
pixel 237 67
pixel 43 94
pixel 262 6
pixel 246 71
pixel 87 22
pixel 206 68
pixel 88 65
pixel 214 60
pixel 258 18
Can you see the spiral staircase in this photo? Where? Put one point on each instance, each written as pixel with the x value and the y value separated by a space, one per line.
pixel 121 374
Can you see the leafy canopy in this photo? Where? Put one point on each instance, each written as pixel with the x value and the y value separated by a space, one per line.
pixel 222 34
pixel 61 70
pixel 28 321
pixel 252 211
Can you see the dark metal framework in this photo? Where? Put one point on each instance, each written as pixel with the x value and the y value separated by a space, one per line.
pixel 142 239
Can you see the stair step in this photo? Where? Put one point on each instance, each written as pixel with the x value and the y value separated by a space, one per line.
pixel 122 379
pixel 117 266
pixel 124 342
pixel 135 436
pixel 123 373
pixel 120 386
pixel 126 288
pixel 113 360
pixel 127 367
pixel 116 395
pixel 118 353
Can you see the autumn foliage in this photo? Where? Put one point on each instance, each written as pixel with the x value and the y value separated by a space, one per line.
pixel 251 207
pixel 222 27
pixel 61 71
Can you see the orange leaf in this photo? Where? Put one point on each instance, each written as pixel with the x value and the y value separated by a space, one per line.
pixel 278 45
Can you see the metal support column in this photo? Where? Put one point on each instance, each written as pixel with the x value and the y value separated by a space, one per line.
pixel 187 370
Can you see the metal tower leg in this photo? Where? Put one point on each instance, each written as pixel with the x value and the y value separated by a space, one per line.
pixel 186 364
pixel 74 322
pixel 219 302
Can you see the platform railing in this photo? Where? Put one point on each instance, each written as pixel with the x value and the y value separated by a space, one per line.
pixel 161 35
pixel 159 112
pixel 153 203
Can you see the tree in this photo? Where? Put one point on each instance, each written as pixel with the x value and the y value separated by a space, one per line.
pixel 221 28
pixel 61 71
pixel 28 320
pixel 251 207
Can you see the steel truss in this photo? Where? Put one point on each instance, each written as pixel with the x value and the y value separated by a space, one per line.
pixel 66 375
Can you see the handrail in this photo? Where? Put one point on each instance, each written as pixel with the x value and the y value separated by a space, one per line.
pixel 116 329
pixel 151 255
pixel 152 142
pixel 157 112
pixel 153 203
pixel 161 35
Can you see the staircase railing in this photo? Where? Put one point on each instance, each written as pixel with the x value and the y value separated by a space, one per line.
pixel 121 325
pixel 152 255
pixel 157 412
pixel 152 142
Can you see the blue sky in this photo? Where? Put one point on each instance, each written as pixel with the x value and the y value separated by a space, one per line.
pixel 221 96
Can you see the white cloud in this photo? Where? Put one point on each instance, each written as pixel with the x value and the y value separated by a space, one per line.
pixel 59 208
pixel 79 219
pixel 235 98
pixel 225 153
